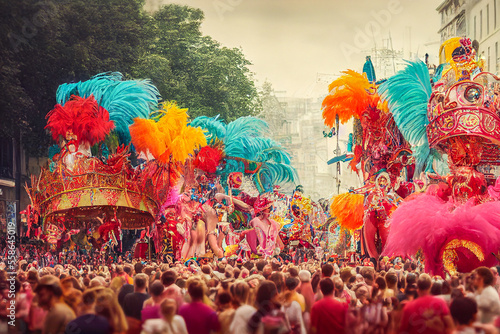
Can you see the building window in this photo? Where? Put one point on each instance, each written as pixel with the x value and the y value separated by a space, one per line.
pixel 496 57
pixel 475 27
pixel 487 20
pixel 495 14
pixel 480 25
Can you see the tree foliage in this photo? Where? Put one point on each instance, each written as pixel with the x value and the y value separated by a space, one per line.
pixel 45 43
pixel 196 70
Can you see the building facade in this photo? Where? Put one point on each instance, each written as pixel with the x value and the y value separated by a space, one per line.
pixel 296 123
pixel 478 20
pixel 484 27
pixel 453 18
pixel 13 175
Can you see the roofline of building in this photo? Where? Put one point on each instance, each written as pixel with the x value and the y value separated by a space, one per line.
pixel 441 6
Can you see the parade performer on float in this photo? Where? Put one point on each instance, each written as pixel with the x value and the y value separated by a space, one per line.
pixel 261 163
pixel 171 141
pixel 380 204
pixel 266 229
pixel 169 234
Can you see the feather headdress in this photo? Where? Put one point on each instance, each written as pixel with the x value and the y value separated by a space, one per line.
pixel 125 100
pixel 427 223
pixel 349 96
pixel 208 158
pixel 408 93
pixel 249 150
pixel 348 208
pixel 83 117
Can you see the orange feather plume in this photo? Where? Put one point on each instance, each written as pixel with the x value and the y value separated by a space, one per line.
pixel 348 208
pixel 349 96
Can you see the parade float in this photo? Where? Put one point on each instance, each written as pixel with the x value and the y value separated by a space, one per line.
pixel 90 190
pixel 455 223
pixel 427 148
pixel 380 155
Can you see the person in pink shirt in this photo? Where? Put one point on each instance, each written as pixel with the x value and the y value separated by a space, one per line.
pixel 172 291
pixel 199 318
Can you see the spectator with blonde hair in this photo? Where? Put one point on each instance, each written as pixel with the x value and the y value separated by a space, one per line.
pixel 170 323
pixel 117 283
pixel 108 307
pixel 240 292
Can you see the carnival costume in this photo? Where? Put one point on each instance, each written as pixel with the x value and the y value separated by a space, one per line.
pixel 380 156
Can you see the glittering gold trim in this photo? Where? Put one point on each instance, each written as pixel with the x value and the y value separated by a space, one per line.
pixel 450 255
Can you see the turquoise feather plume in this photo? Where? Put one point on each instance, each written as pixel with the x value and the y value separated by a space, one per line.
pixel 123 99
pixel 408 93
pixel 241 134
pixel 246 138
pixel 215 129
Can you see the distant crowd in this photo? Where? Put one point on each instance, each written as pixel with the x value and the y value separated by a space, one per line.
pixel 255 296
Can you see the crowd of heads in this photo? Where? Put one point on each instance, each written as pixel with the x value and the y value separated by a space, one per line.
pixel 267 286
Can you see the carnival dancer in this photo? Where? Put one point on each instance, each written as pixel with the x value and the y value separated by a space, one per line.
pixel 381 202
pixel 266 228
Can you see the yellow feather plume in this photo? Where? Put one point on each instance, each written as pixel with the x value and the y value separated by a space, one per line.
pixel 169 137
pixel 348 208
pixel 188 140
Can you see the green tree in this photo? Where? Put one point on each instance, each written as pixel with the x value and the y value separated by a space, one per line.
pixel 47 43
pixel 195 70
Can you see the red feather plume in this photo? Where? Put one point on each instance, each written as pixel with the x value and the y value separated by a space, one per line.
pixel 208 159
pixel 83 116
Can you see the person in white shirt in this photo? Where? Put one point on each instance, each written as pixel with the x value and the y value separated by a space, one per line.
pixel 240 292
pixel 496 283
pixel 487 298
pixel 170 323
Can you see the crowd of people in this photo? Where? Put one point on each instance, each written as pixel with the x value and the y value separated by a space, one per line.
pixel 255 296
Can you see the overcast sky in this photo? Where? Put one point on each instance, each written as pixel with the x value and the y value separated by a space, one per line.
pixel 290 41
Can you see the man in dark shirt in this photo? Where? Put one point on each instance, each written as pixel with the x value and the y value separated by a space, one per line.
pixel 88 322
pixel 133 302
pixel 124 290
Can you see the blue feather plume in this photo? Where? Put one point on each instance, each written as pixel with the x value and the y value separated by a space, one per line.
pixel 408 93
pixel 215 129
pixel 123 99
pixel 246 138
pixel 242 131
